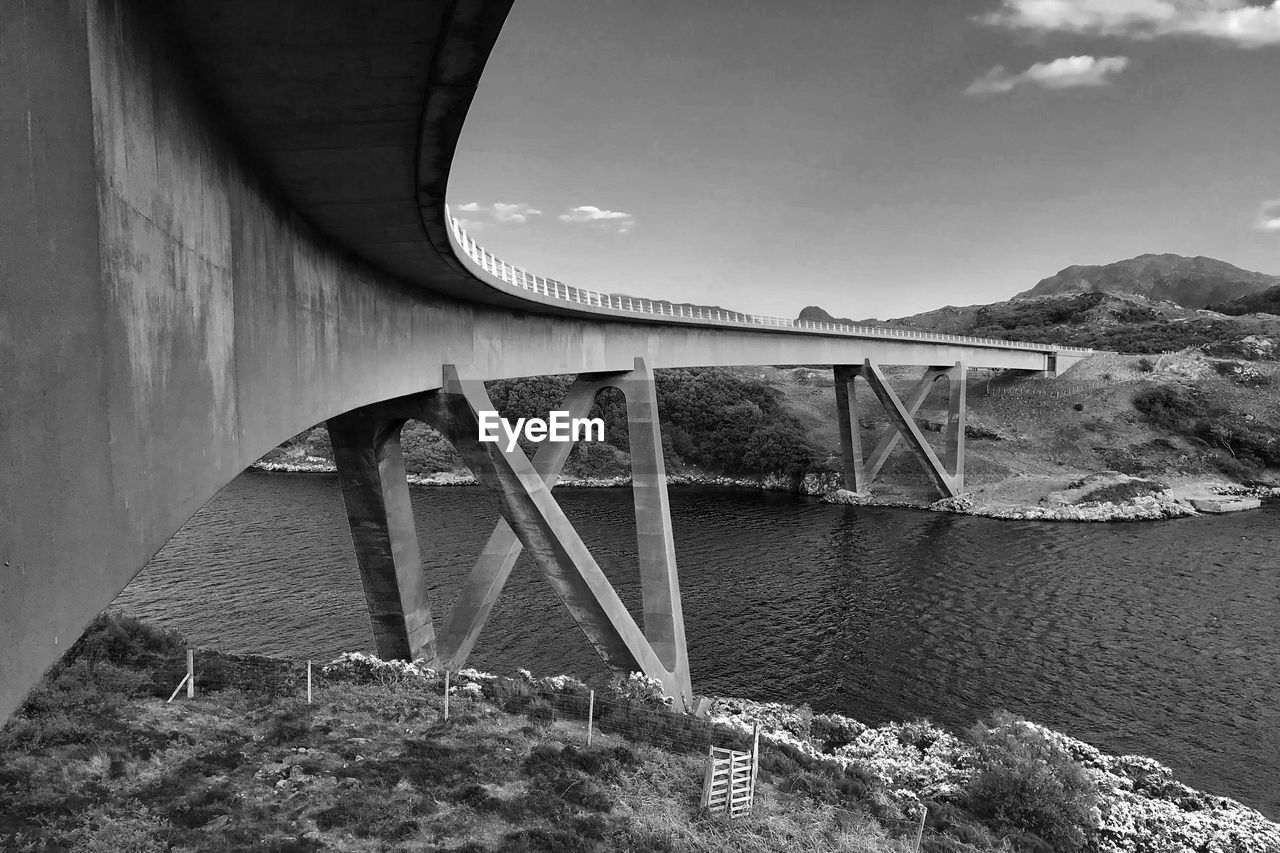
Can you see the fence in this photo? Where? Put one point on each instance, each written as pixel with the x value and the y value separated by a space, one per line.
pixel 567 705
pixel 516 277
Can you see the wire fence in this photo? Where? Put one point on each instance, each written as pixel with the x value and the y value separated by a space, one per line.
pixel 565 705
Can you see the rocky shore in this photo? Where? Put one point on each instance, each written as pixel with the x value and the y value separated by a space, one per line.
pixel 1142 808
pixel 1159 506
pixel 1142 508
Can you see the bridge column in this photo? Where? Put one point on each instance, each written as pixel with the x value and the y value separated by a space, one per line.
pixel 366 448
pixel 659 579
pixel 947 478
pixel 483 586
pixel 540 526
pixel 957 415
pixel 855 473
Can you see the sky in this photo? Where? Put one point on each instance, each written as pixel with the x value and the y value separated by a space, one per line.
pixel 877 158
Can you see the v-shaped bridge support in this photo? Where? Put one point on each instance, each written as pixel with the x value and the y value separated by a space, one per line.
pixel 371 468
pixel 860 472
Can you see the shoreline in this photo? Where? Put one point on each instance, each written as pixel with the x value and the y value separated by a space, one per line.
pixel 1162 506
pixel 1141 803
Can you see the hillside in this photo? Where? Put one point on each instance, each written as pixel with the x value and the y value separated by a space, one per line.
pixel 1264 302
pixel 1184 420
pixel 1188 282
pixel 97 760
pixel 1103 321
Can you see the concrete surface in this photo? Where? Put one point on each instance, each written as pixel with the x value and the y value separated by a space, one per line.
pixel 189 276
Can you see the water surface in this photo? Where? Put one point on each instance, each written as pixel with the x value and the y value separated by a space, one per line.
pixel 1156 638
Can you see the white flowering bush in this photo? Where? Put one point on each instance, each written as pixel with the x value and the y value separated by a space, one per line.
pixel 912 760
pixel 370 669
pixel 638 687
pixel 469 674
pixel 469 690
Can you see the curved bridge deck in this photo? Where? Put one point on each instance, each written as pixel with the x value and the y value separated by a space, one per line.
pixel 227 224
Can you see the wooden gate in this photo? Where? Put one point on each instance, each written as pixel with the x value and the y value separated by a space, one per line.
pixel 730 784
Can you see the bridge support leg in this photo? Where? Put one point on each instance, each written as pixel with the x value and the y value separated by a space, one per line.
pixel 366 448
pixel 855 472
pixel 371 467
pixel 948 479
pixel 483 586
pixel 660 587
pixel 540 526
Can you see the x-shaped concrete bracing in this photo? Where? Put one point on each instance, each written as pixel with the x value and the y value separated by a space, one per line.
pixel 371 467
pixel 859 473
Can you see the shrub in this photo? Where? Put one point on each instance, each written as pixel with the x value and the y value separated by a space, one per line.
pixel 1171 407
pixel 1119 492
pixel 539 710
pixel 509 694
pixel 1145 365
pixel 639 688
pixel 1029 784
pixel 124 641
pixel 833 731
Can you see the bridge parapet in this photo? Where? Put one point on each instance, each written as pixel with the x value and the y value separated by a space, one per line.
pixel 495 272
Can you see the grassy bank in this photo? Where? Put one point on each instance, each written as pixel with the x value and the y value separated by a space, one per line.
pixel 98 760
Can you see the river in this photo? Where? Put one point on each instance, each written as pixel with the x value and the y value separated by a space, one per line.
pixel 1159 638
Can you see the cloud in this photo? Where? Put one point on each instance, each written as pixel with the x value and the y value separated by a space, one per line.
pixel 512 213
pixel 1236 22
pixel 1269 216
pixel 1069 72
pixel 595 216
pixel 518 213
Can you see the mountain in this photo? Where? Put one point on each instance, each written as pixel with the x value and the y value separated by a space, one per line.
pixel 817 315
pixel 1189 282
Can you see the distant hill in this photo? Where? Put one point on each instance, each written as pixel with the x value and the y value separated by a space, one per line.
pixel 1266 302
pixel 1189 282
pixel 815 314
pixel 1105 320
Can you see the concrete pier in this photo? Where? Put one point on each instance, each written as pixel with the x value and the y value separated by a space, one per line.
pixel 860 472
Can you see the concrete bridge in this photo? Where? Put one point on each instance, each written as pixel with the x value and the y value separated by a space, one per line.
pixel 225 223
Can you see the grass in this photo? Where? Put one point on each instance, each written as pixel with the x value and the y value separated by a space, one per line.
pixel 98 760
pixel 368 768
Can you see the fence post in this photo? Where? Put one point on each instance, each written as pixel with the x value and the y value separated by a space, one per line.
pixel 591 713
pixel 446 695
pixel 191 673
pixel 924 810
pixel 308 682
pixel 755 758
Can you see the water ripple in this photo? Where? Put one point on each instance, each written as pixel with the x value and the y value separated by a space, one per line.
pixel 1153 638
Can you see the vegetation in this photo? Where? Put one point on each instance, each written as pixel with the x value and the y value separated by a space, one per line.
pixel 712 418
pixel 1120 492
pixel 1191 413
pixel 1268 301
pixel 95 761
pixel 1103 321
pixel 1028 784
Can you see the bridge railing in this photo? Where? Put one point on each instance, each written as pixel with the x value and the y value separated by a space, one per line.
pixel 553 289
